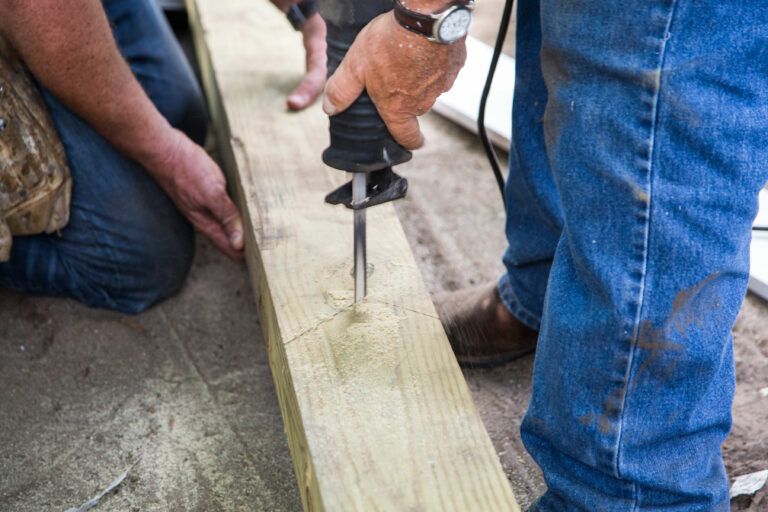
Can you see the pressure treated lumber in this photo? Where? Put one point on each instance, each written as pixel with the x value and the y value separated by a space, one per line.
pixel 377 413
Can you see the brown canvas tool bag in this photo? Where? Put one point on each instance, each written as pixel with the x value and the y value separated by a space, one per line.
pixel 35 182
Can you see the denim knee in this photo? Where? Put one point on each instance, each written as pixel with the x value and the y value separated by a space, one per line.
pixel 128 275
pixel 155 270
pixel 150 48
pixel 187 112
pixel 129 272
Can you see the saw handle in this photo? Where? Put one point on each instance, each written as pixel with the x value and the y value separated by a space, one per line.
pixel 360 141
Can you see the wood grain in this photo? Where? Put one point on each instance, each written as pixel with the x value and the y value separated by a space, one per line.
pixel 377 413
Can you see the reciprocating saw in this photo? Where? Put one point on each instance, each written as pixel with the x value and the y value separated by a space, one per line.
pixel 360 142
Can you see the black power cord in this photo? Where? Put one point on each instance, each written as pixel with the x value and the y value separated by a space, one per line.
pixel 489 151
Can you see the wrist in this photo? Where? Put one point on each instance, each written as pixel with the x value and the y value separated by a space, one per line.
pixel 158 153
pixel 445 25
pixel 408 38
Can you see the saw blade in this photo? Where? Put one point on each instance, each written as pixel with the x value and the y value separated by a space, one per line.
pixel 359 193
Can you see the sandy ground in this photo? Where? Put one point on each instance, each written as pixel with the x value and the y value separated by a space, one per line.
pixel 184 392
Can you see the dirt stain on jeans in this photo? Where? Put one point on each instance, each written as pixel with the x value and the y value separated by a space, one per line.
pixel 660 353
pixel 689 309
pixel 651 79
pixel 657 346
pixel 640 194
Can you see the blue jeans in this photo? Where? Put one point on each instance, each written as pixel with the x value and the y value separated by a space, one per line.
pixel 640 144
pixel 126 246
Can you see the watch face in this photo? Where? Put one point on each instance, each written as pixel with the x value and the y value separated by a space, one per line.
pixel 455 25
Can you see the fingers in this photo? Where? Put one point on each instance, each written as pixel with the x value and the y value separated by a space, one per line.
pixel 227 216
pixel 345 86
pixel 210 227
pixel 308 90
pixel 404 129
pixel 312 85
pixel 197 187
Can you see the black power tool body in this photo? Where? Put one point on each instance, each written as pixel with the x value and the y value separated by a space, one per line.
pixel 360 142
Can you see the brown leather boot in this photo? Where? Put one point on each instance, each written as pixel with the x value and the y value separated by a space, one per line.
pixel 482 331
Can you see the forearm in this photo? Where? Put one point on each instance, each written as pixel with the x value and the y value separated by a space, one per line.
pixel 70 49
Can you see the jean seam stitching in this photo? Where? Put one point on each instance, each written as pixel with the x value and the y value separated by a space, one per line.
pixel 641 295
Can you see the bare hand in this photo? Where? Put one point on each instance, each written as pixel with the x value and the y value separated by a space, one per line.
pixel 311 86
pixel 197 186
pixel 403 73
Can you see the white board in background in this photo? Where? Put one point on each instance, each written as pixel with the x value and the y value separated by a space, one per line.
pixel 462 102
pixel 758 270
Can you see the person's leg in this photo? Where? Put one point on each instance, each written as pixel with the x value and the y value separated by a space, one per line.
pixel 149 46
pixel 126 246
pixel 534 219
pixel 496 323
pixel 657 135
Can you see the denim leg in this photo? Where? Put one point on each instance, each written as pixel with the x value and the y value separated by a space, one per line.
pixel 148 44
pixel 534 218
pixel 126 246
pixel 656 131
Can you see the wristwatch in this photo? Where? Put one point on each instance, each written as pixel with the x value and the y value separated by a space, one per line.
pixel 444 27
pixel 299 13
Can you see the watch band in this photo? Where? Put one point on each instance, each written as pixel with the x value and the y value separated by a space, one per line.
pixel 299 13
pixel 424 24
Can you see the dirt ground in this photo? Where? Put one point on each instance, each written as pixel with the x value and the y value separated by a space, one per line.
pixel 183 395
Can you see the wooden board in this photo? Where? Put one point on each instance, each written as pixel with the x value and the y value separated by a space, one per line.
pixel 462 102
pixel 377 413
pixel 758 270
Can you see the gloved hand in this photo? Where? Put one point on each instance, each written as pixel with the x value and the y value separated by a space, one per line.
pixel 403 73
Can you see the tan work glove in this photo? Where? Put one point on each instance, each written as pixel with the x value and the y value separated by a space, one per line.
pixel 403 73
